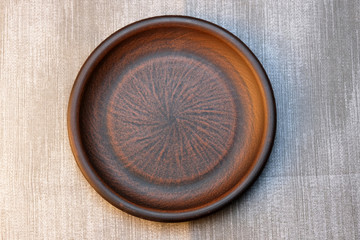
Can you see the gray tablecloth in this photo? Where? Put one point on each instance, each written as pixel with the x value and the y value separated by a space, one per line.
pixel 310 188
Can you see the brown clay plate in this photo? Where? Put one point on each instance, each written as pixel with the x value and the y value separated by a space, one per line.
pixel 170 118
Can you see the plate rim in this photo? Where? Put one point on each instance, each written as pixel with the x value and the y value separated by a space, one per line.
pixel 75 137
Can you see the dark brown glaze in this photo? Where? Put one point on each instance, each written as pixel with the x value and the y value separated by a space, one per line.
pixel 164 125
pixel 170 118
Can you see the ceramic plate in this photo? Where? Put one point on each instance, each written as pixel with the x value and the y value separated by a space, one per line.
pixel 170 118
